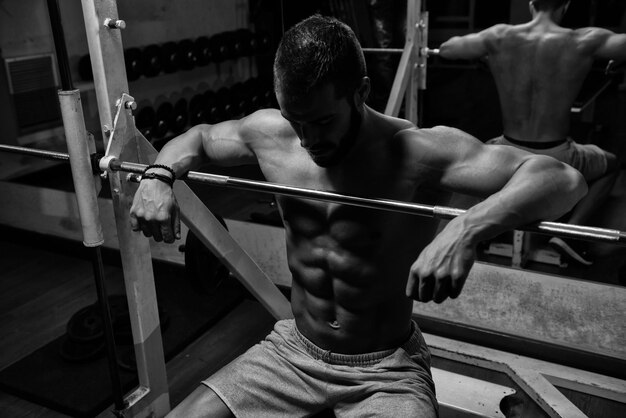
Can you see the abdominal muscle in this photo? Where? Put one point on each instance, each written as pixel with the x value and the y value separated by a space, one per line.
pixel 338 329
pixel 348 291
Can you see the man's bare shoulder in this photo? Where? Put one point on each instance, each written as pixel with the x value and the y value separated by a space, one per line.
pixel 438 143
pixel 265 121
pixel 433 152
pixel 592 35
pixel 436 135
pixel 265 127
pixel 498 31
pixel 494 35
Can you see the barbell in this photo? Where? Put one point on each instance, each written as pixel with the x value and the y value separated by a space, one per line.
pixel 424 51
pixel 110 163
pixel 550 228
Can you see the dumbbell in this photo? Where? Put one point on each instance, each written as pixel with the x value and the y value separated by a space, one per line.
pixel 262 43
pixel 214 113
pixel 171 57
pixel 225 103
pixel 164 111
pixel 243 43
pixel 145 120
pixel 256 93
pixel 253 90
pixel 241 99
pixel 267 97
pixel 202 48
pixel 180 115
pixel 233 41
pixel 188 58
pixel 197 109
pixel 236 99
pixel 152 60
pixel 133 63
pixel 84 68
pixel 218 47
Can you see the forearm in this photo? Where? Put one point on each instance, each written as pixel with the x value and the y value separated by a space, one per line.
pixel 541 189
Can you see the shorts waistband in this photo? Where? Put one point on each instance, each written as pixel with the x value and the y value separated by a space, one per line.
pixel 411 345
pixel 535 145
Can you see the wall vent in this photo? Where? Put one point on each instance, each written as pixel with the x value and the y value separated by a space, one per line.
pixel 33 87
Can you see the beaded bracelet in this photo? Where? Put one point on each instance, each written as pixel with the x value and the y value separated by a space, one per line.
pixel 156 176
pixel 164 167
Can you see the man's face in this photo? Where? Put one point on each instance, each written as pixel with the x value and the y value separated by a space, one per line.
pixel 327 125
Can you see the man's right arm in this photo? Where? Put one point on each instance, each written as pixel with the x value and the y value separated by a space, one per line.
pixel 154 210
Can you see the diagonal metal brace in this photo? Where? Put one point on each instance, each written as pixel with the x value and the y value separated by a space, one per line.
pixel 115 146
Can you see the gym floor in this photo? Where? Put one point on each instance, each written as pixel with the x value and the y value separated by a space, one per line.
pixel 46 280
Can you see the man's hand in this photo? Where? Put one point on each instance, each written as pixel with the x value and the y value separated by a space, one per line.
pixel 155 211
pixel 441 269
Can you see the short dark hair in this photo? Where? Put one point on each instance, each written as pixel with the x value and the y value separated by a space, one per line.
pixel 315 51
pixel 548 4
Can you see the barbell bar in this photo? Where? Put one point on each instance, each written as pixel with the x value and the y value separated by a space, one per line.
pixel 107 163
pixel 442 212
pixel 32 152
pixel 383 50
pixel 425 51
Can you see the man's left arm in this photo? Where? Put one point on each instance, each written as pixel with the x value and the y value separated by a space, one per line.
pixel 611 45
pixel 520 188
pixel 468 47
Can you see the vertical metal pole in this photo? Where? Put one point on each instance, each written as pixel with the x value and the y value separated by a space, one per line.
pixel 414 9
pixel 422 64
pixel 59 45
pixel 107 60
pixel 403 80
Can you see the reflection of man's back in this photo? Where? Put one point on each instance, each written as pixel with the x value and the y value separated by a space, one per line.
pixel 539 70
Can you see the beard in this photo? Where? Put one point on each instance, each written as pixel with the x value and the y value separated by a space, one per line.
pixel 346 143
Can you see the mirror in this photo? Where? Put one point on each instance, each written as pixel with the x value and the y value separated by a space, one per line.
pixel 464 94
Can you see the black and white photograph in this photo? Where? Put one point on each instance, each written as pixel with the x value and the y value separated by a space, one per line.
pixel 315 208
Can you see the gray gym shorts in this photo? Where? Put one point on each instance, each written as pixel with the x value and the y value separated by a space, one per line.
pixel 286 375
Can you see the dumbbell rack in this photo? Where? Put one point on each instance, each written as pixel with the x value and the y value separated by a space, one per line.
pixel 168 115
